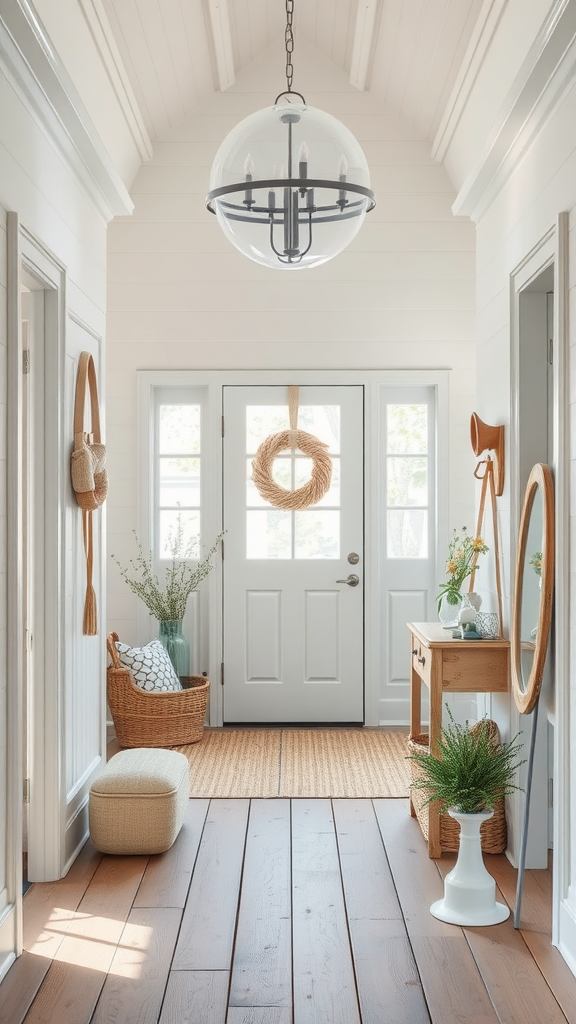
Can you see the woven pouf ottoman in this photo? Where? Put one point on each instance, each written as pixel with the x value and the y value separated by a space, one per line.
pixel 137 804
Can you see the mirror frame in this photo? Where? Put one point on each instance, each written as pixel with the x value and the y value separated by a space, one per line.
pixel 526 696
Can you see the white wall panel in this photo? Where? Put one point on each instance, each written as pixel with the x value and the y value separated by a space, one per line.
pixel 351 265
pixel 327 295
pixel 518 217
pixel 263 636
pixel 321 635
pixel 56 203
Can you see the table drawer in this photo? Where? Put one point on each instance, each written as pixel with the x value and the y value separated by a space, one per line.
pixel 421 660
pixel 474 670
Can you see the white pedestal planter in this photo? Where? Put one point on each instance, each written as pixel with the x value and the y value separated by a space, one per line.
pixel 469 891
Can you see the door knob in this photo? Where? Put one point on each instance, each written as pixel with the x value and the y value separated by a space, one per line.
pixel 352 580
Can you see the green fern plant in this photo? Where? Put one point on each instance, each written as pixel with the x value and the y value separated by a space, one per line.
pixel 471 772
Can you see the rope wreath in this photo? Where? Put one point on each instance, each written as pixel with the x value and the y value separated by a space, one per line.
pixel 285 440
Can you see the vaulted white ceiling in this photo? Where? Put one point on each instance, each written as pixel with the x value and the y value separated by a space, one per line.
pixel 168 47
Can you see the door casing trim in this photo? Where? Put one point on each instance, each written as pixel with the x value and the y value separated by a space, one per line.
pixel 214 381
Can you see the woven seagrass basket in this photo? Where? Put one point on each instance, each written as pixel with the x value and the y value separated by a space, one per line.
pixel 492 832
pixel 144 719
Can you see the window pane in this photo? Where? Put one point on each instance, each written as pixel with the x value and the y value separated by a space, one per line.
pixel 190 547
pixel 407 481
pixel 323 421
pixel 317 534
pixel 407 427
pixel 407 533
pixel 179 429
pixel 180 482
pixel 263 420
pixel 268 534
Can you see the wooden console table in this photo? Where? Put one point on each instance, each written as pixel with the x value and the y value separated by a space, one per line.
pixel 447 665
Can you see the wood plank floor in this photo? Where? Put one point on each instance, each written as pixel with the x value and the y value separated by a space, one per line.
pixel 281 912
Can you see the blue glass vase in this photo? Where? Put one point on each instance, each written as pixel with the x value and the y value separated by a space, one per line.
pixel 176 644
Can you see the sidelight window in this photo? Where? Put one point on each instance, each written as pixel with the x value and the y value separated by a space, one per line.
pixel 407 480
pixel 177 471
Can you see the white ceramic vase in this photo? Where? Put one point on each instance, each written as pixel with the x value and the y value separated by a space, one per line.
pixel 469 890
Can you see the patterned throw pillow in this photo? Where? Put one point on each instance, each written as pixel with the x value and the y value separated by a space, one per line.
pixel 150 666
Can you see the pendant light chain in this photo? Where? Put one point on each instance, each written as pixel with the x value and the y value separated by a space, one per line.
pixel 298 217
pixel 289 43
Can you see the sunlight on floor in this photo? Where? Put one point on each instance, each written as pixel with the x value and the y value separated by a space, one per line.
pixel 98 943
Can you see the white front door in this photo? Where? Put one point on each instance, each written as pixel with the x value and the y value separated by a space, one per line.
pixel 293 630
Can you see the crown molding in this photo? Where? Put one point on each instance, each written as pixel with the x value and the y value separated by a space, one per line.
pixel 484 29
pixel 101 31
pixel 546 75
pixel 38 76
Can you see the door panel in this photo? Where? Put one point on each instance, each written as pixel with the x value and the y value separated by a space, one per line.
pixel 293 634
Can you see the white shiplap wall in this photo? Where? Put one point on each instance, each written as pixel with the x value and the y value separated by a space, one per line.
pixel 514 218
pixel 45 139
pixel 402 295
pixel 3 674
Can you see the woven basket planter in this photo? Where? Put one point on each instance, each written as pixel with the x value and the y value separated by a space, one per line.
pixel 493 832
pixel 144 719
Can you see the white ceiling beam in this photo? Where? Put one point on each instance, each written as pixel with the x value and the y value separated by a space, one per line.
pixel 222 40
pixel 363 48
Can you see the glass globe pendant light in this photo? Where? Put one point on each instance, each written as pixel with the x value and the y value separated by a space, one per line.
pixel 290 184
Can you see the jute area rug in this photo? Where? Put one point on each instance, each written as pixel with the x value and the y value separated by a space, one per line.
pixel 359 763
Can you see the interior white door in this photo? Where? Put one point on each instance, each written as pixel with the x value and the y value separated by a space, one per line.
pixel 293 628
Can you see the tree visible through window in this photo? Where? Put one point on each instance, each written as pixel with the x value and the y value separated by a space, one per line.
pixel 407 491
pixel 177 477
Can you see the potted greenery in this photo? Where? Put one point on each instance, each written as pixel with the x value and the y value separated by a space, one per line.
pixel 167 602
pixel 471 771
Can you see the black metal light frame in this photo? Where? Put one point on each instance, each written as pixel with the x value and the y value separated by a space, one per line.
pixel 298 204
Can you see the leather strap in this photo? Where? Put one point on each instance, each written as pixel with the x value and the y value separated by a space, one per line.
pixel 293 396
pixel 86 375
pixel 487 479
pixel 90 621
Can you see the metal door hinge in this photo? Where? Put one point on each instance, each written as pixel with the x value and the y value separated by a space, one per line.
pixel 26 791
pixel 550 792
pixel 222 674
pixel 26 360
pixel 551 350
pixel 222 426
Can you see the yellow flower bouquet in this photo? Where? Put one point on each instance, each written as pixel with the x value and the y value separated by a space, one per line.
pixel 463 551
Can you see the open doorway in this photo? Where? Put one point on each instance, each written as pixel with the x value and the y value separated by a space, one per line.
pixel 535 443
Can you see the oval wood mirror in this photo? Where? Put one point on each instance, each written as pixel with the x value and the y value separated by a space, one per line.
pixel 534 585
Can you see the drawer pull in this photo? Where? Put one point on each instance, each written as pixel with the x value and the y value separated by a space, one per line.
pixel 422 660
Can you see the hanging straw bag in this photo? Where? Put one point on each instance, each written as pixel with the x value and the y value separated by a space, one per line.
pixel 89 477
